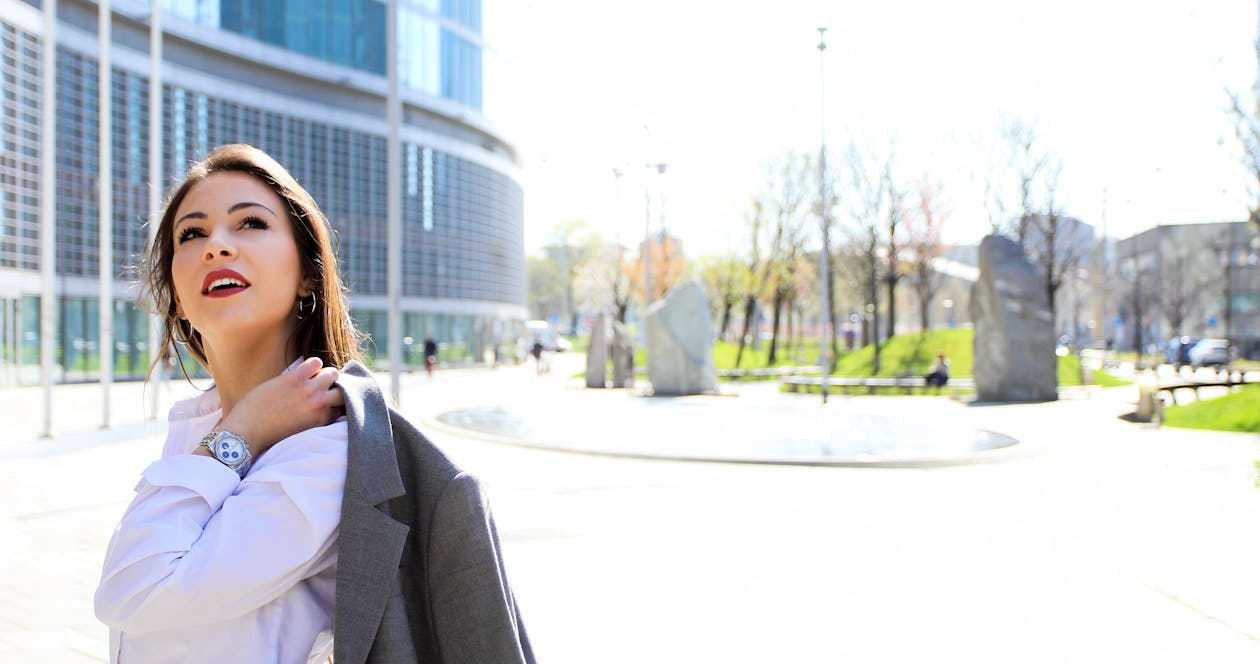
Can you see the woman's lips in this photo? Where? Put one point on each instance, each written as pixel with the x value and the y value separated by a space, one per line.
pixel 226 292
pixel 223 283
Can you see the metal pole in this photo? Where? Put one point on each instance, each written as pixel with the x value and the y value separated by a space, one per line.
pixel 48 211
pixel 660 223
pixel 156 186
pixel 825 258
pixel 105 197
pixel 647 245
pixel 394 206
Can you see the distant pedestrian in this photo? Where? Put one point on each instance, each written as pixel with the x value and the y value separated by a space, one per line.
pixel 537 351
pixel 939 375
pixel 430 355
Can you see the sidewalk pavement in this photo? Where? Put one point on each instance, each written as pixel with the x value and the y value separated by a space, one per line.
pixel 1105 541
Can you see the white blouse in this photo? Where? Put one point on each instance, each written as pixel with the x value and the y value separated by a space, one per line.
pixel 207 567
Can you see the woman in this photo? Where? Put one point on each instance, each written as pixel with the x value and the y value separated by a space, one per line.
pixel 230 550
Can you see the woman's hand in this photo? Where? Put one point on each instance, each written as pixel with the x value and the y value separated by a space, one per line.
pixel 301 398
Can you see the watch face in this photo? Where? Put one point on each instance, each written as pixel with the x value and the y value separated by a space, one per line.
pixel 229 449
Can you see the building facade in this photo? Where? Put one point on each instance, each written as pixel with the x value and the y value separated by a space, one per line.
pixel 1199 280
pixel 304 80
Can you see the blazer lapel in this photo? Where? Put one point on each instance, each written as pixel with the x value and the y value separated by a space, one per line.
pixel 370 542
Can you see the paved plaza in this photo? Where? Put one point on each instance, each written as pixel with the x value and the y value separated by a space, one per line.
pixel 1093 540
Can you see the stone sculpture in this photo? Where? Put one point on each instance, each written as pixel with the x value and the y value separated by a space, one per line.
pixel 1014 340
pixel 597 356
pixel 679 337
pixel 623 356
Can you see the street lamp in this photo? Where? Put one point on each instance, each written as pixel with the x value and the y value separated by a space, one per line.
pixel 647 233
pixel 825 258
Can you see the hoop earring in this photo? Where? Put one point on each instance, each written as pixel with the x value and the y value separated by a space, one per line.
pixel 302 313
pixel 176 331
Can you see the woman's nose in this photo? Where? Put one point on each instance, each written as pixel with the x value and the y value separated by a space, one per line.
pixel 219 246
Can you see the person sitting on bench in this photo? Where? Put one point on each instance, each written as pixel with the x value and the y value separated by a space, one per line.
pixel 939 374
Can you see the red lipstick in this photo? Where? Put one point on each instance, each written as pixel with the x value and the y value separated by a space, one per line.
pixel 223 283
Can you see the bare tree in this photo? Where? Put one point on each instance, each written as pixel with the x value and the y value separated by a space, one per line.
pixel 1138 299
pixel 1028 163
pixel 1180 285
pixel 723 277
pixel 923 247
pixel 1054 242
pixel 546 287
pixel 790 190
pixel 571 243
pixel 790 273
pixel 1247 128
pixel 1018 184
pixel 865 202
pixel 895 213
pixel 603 281
pixel 758 266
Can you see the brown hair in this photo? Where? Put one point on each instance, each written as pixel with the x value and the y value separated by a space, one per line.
pixel 328 333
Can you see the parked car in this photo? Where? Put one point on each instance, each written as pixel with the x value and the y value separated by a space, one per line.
pixel 1210 353
pixel 1177 352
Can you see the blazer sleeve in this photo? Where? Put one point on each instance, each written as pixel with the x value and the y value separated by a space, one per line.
pixel 475 617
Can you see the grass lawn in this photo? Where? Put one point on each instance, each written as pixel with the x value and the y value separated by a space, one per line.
pixel 905 354
pixel 1237 411
pixel 914 354
pixel 800 353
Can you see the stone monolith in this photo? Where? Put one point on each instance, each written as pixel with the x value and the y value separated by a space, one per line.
pixel 1014 340
pixel 623 356
pixel 679 337
pixel 597 356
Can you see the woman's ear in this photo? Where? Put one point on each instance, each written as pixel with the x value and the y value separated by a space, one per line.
pixel 305 288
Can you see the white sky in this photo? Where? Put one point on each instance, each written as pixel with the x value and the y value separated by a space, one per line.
pixel 1129 94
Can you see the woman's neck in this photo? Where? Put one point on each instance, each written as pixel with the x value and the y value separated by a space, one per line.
pixel 238 367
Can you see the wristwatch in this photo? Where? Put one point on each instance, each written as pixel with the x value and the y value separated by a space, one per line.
pixel 230 449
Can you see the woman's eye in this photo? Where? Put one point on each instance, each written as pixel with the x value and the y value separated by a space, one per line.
pixel 253 222
pixel 189 233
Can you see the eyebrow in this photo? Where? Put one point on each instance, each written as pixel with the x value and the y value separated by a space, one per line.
pixel 234 208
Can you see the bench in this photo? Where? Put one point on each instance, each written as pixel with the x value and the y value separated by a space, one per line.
pixel 846 383
pixel 776 371
pixel 740 373
pixel 1230 380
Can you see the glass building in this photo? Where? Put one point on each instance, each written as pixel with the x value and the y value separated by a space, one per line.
pixel 305 81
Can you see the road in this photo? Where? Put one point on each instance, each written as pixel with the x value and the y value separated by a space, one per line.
pixel 1107 541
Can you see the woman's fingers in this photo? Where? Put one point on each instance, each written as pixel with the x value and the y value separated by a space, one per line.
pixel 330 400
pixel 309 367
pixel 325 378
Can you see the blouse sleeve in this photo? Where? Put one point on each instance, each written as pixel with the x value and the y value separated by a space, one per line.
pixel 199 545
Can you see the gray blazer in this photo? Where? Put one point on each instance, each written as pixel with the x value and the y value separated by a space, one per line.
pixel 420 578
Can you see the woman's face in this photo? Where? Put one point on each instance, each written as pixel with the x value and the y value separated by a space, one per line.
pixel 235 267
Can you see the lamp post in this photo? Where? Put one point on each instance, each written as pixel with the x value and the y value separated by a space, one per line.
pixel 157 186
pixel 48 213
pixel 824 259
pixel 393 205
pixel 647 234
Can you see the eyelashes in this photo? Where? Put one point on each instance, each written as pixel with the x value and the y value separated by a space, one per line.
pixel 254 222
pixel 188 233
pixel 191 232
